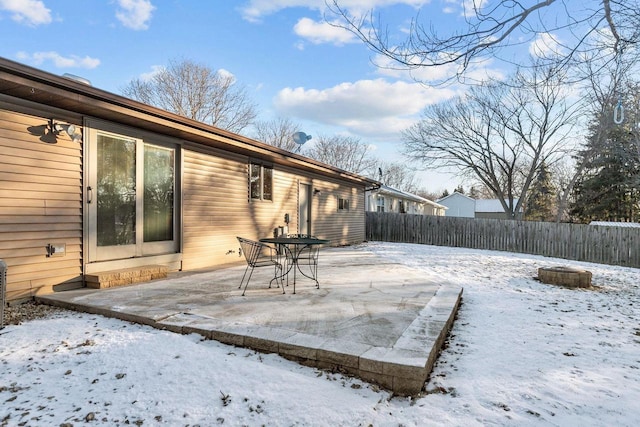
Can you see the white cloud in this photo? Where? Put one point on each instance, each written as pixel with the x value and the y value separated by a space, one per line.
pixel 545 46
pixel 388 67
pixel 226 74
pixel 322 32
pixel 254 10
pixel 366 107
pixel 478 71
pixel 135 14
pixel 72 61
pixel 470 7
pixel 30 12
pixel 155 70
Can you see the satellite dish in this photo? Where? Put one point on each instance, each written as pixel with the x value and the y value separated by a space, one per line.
pixel 300 138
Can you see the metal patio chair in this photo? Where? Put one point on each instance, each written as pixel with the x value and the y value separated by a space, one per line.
pixel 257 255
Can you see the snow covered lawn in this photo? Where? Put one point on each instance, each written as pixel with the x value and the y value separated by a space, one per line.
pixel 520 353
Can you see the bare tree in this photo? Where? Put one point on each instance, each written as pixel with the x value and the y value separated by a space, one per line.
pixel 396 175
pixel 198 92
pixel 564 175
pixel 277 132
pixel 574 30
pixel 344 152
pixel 430 195
pixel 479 191
pixel 498 134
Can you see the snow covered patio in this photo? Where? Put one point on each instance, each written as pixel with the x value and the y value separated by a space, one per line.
pixel 521 352
pixel 372 317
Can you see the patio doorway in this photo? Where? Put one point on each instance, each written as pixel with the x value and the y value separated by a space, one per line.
pixel 304 209
pixel 130 197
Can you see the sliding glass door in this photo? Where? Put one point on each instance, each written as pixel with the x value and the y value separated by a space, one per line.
pixel 130 197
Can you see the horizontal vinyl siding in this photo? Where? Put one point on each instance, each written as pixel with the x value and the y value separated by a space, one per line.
pixel 216 207
pixel 40 203
pixel 341 227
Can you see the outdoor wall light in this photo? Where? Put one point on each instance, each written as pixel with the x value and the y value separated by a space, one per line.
pixel 69 129
pixel 54 129
pixel 50 131
pixel 316 191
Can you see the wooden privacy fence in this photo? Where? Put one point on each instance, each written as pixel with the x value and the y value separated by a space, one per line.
pixel 592 243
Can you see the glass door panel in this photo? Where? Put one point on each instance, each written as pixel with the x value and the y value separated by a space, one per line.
pixel 159 182
pixel 116 193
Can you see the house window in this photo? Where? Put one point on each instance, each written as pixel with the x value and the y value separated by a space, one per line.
pixel 380 204
pixel 402 206
pixel 260 181
pixel 343 204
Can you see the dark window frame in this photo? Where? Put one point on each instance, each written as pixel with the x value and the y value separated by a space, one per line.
pixel 260 181
pixel 343 204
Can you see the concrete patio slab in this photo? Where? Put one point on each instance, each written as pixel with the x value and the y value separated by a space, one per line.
pixel 378 320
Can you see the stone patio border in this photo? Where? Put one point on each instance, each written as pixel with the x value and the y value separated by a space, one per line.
pixel 402 368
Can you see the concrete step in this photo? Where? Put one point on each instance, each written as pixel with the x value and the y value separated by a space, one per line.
pixel 126 276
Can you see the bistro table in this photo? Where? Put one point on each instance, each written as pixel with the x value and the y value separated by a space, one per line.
pixel 294 250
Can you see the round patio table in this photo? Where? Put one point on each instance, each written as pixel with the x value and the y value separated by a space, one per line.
pixel 293 249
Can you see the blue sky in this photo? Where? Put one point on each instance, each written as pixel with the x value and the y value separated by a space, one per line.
pixel 290 61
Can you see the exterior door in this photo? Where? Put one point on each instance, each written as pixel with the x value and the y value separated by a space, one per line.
pixel 130 197
pixel 305 209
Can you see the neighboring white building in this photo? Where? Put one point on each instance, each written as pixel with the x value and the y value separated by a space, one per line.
pixel 492 208
pixel 616 224
pixel 388 199
pixel 459 205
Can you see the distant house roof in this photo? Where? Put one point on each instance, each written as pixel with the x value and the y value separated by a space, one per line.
pixel 616 224
pixel 385 189
pixel 454 194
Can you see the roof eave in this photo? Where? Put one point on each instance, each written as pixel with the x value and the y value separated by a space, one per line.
pixel 24 82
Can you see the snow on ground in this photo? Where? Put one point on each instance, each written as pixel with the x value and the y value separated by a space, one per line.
pixel 520 353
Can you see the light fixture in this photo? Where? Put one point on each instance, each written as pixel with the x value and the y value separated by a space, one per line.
pixel 69 129
pixel 55 128
pixel 316 191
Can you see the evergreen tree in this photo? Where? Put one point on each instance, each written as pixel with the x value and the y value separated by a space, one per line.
pixel 541 204
pixel 445 193
pixel 474 193
pixel 609 190
pixel 459 189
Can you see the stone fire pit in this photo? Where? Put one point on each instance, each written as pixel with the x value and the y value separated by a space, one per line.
pixel 565 276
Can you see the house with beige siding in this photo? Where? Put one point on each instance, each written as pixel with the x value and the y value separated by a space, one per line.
pixel 94 182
